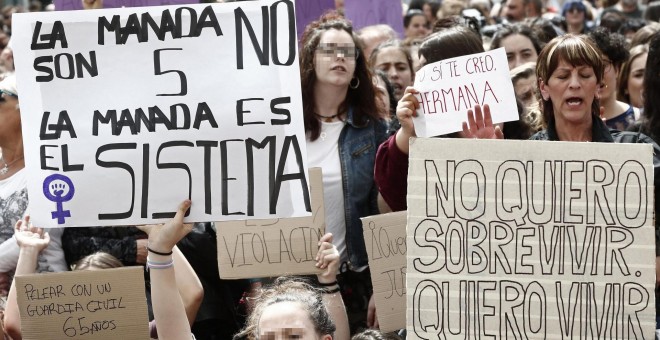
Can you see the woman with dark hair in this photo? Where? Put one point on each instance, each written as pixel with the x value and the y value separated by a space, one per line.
pixel 385 93
pixel 415 24
pixel 344 129
pixel 392 157
pixel 651 115
pixel 617 115
pixel 575 15
pixel 520 42
pixel 395 60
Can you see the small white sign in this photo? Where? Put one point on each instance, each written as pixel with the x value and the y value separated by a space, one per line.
pixel 449 88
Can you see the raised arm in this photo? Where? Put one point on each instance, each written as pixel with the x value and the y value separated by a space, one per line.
pixel 168 307
pixel 31 241
pixel 327 258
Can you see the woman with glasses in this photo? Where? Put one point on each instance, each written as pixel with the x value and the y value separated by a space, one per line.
pixel 575 17
pixel 344 129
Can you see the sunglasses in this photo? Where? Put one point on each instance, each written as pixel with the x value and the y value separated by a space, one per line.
pixel 338 50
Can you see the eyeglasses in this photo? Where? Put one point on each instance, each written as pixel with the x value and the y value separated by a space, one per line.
pixel 338 50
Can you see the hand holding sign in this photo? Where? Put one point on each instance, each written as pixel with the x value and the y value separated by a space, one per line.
pixel 163 239
pixel 327 258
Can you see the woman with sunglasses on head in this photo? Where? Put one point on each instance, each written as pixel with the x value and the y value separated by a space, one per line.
pixel 344 129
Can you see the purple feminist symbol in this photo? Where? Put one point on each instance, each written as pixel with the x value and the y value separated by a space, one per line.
pixel 59 188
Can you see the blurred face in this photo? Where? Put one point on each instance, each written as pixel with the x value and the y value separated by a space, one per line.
pixel 608 89
pixel 524 89
pixel 383 96
pixel 636 80
pixel 393 62
pixel 10 118
pixel 418 27
pixel 575 16
pixel 519 50
pixel 286 320
pixel 428 11
pixel 514 10
pixel 334 59
pixel 572 90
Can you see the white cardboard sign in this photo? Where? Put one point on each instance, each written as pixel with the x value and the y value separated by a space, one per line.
pixel 449 88
pixel 128 111
pixel 521 240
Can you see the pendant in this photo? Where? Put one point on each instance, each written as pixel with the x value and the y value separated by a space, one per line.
pixel 323 135
pixel 4 170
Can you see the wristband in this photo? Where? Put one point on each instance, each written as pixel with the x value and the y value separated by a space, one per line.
pixel 159 253
pixel 331 291
pixel 159 265
pixel 328 284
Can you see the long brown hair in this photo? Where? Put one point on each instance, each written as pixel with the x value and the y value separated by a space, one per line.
pixel 362 99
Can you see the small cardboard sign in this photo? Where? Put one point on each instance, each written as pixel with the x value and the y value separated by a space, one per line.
pixel 170 104
pixel 99 304
pixel 385 239
pixel 449 88
pixel 375 12
pixel 274 247
pixel 524 240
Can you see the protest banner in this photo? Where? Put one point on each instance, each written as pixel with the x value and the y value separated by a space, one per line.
pixel 273 247
pixel 522 240
pixel 310 10
pixel 94 304
pixel 375 12
pixel 385 239
pixel 126 112
pixel 449 88
pixel 71 5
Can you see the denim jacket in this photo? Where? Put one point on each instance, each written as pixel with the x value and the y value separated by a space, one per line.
pixel 357 153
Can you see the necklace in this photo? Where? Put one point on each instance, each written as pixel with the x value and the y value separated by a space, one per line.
pixel 5 169
pixel 327 119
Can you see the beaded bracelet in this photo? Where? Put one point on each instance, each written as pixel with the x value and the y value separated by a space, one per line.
pixel 159 265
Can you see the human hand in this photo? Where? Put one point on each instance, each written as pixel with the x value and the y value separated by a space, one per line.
pixel 28 236
pixel 406 109
pixel 372 318
pixel 481 126
pixel 164 238
pixel 327 258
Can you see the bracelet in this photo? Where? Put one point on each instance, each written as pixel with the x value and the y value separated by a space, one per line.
pixel 159 265
pixel 331 291
pixel 328 284
pixel 159 253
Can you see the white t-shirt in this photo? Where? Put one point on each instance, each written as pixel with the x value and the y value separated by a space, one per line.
pixel 13 206
pixel 324 153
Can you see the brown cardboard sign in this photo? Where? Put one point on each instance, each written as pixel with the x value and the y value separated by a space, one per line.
pixel 385 239
pixel 99 304
pixel 273 247
pixel 530 240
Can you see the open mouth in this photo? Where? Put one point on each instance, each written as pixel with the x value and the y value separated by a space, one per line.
pixel 339 68
pixel 574 101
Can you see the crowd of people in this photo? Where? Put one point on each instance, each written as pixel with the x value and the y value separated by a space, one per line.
pixel 582 71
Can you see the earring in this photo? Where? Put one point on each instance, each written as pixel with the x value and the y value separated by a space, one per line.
pixel 357 83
